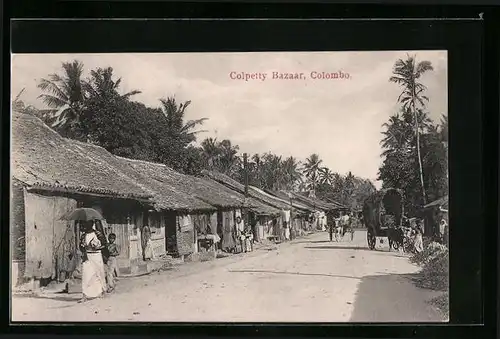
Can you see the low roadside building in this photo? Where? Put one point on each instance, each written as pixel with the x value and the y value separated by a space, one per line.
pixel 49 178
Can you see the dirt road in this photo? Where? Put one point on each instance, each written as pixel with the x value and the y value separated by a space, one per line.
pixel 307 280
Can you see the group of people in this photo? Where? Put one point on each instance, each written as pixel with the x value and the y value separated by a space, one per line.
pixel 340 226
pixel 99 263
pixel 409 237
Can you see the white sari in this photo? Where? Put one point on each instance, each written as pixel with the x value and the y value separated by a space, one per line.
pixel 93 276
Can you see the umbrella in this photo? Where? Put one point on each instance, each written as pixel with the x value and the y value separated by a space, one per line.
pixel 83 214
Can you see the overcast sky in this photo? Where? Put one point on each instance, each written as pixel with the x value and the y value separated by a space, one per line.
pixel 339 119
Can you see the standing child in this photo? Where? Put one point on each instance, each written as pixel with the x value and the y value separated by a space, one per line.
pixel 112 266
pixel 419 243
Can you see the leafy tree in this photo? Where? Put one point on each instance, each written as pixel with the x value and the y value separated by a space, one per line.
pixel 407 73
pixel 349 190
pixel 400 167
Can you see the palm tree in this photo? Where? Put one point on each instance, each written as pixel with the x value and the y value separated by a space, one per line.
pixel 257 169
pixel 211 152
pixel 101 85
pixel 311 169
pixel 291 172
pixel 407 73
pixel 64 94
pixel 174 115
pixel 326 176
pixel 228 159
pixel 273 177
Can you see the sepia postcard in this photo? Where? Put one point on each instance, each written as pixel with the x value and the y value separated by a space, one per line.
pixel 230 187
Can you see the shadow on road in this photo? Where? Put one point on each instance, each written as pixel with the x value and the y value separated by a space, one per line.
pixel 333 247
pixel 295 273
pixel 54 296
pixel 312 242
pixel 393 298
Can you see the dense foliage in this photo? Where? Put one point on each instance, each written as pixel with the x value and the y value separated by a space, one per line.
pixel 414 147
pixel 400 168
pixel 434 261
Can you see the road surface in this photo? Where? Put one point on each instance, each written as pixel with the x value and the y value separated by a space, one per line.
pixel 307 280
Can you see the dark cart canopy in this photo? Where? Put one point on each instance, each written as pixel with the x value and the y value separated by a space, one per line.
pixel 383 210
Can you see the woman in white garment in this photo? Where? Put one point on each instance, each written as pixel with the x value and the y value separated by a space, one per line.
pixel 93 276
pixel 419 243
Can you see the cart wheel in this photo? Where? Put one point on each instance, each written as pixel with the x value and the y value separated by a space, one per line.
pixel 395 245
pixel 371 240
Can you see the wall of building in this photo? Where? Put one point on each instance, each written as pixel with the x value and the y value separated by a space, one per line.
pixel 158 241
pixel 17 233
pixel 50 240
pixel 185 235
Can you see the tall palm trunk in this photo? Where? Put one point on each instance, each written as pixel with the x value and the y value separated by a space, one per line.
pixel 417 133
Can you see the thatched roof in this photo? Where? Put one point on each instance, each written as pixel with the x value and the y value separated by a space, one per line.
pixel 249 202
pixel 254 198
pixel 284 195
pixel 42 159
pixel 318 204
pixel 235 185
pixel 165 196
pixel 269 198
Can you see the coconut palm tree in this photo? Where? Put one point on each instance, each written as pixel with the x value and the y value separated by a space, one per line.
pixel 228 159
pixel 291 172
pixel 311 170
pixel 101 85
pixel 326 176
pixel 407 73
pixel 64 93
pixel 174 114
pixel 271 171
pixel 257 169
pixel 211 152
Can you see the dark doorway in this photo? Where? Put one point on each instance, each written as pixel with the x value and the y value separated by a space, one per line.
pixel 171 233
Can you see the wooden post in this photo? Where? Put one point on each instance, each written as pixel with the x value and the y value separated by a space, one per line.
pixel 245 171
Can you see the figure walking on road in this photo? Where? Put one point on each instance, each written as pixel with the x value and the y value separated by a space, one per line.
pixel 331 227
pixel 93 276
